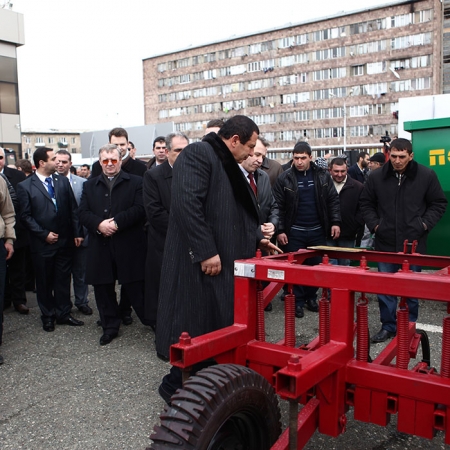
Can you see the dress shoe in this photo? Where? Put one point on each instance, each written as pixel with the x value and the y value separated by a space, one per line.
pixel 99 322
pixel 268 307
pixel 48 325
pixel 71 321
pixel 1 359
pixel 21 308
pixel 299 312
pixel 85 309
pixel 107 338
pixel 312 305
pixel 162 357
pixel 127 320
pixel 382 335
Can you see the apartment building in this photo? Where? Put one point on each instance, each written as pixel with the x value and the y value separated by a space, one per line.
pixel 54 139
pixel 335 81
pixel 11 37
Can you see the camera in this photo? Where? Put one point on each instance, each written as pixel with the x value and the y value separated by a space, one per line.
pixel 385 139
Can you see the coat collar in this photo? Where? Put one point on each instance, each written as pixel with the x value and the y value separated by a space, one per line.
pixel 238 182
pixel 410 172
pixel 121 177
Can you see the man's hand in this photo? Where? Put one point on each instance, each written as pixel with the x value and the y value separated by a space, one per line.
pixel 335 232
pixel 52 238
pixel 107 227
pixel 267 229
pixel 212 266
pixel 9 250
pixel 78 241
pixel 267 246
pixel 282 239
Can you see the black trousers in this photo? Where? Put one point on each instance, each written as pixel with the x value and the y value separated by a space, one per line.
pixel 106 299
pixel 53 271
pixel 15 278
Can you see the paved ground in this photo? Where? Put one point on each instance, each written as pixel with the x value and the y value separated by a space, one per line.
pixel 61 390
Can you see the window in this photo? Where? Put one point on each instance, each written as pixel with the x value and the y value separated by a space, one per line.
pixel 73 140
pixel 51 140
pixel 39 140
pixel 9 98
pixel 357 70
pixel 377 67
pixel 73 150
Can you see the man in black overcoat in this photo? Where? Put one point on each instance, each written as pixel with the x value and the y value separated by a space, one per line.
pixel 157 193
pixel 112 210
pixel 213 221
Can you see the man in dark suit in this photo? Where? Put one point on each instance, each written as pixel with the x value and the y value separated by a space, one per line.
pixel 213 221
pixel 80 288
pixel 359 170
pixel 157 192
pixel 16 266
pixel 49 211
pixel 112 210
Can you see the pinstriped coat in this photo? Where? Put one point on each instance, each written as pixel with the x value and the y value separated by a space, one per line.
pixel 212 212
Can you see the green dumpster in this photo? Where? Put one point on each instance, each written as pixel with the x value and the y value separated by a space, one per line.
pixel 431 147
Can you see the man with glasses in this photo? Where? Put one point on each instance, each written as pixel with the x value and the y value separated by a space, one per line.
pixel 159 149
pixel 80 288
pixel 112 210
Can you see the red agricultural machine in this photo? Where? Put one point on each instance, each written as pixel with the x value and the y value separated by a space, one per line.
pixel 234 405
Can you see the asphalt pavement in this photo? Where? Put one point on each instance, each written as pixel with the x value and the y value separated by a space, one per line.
pixel 62 390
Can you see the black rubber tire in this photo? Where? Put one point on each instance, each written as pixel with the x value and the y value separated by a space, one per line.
pixel 222 407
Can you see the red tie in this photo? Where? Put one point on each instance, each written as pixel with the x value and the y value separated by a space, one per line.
pixel 253 184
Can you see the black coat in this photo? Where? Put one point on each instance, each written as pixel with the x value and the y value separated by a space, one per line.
pixel 351 217
pixel 356 173
pixel 212 212
pixel 39 215
pixel 327 199
pixel 121 256
pixel 268 208
pixel 400 210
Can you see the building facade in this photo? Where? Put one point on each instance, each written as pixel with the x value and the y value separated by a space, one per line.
pixel 333 81
pixel 11 37
pixel 54 139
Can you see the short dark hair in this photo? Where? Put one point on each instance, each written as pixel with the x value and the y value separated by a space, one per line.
pixel 338 162
pixel 215 123
pixel 88 167
pixel 25 165
pixel 302 147
pixel 41 154
pixel 64 152
pixel 402 144
pixel 362 155
pixel 132 145
pixel 239 125
pixel 118 132
pixel 73 170
pixel 159 139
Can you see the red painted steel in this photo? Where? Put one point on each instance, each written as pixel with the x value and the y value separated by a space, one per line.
pixel 327 375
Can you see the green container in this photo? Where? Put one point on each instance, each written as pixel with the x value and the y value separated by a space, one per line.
pixel 431 147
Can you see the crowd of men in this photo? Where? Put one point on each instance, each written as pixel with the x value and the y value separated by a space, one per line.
pixel 188 214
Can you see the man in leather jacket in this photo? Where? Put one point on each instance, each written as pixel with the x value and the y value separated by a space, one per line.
pixel 309 212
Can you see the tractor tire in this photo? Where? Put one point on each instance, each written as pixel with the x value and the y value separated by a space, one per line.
pixel 222 407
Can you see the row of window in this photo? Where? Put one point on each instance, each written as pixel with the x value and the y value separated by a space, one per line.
pixel 374 89
pixel 269 65
pixel 314 133
pixel 50 140
pixel 303 77
pixel 302 39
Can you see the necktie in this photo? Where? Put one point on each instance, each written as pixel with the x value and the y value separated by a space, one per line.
pixel 253 184
pixel 51 191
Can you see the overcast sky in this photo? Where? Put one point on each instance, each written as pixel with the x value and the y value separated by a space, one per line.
pixel 81 65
